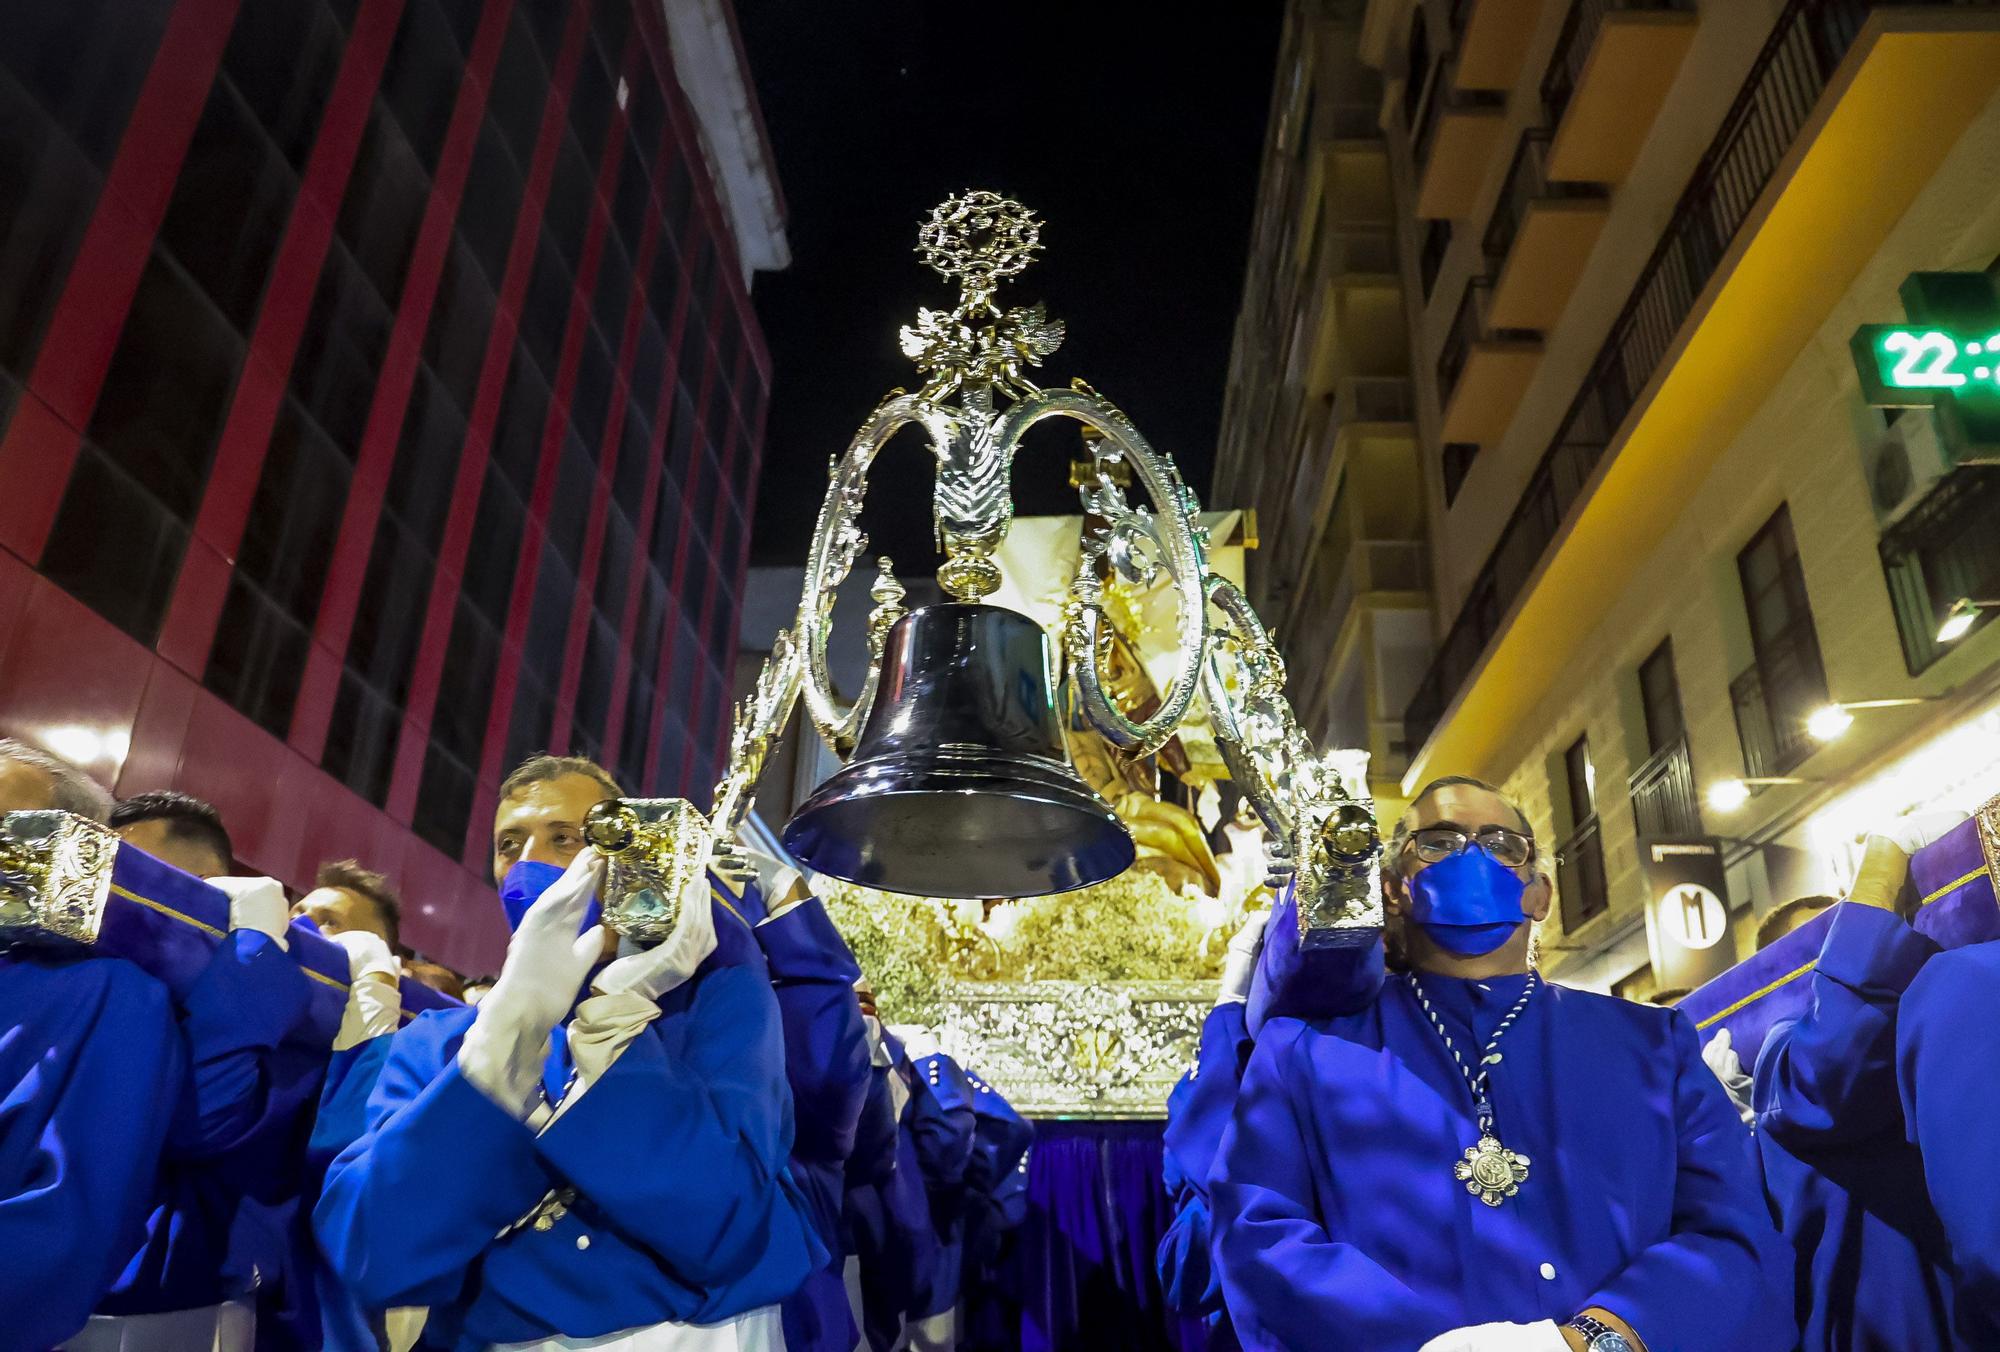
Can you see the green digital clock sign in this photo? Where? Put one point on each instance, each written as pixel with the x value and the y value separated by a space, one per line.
pixel 1944 356
pixel 1909 365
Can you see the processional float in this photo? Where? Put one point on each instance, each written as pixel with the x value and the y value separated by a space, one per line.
pixel 956 781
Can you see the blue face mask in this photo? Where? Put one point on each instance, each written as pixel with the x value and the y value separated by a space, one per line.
pixel 1469 904
pixel 523 887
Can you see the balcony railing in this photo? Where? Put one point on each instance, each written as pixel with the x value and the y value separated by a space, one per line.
pixel 1373 399
pixel 1527 183
pixel 1945 550
pixel 1468 326
pixel 1354 122
pixel 1808 42
pixel 1442 97
pixel 1773 697
pixel 1455 460
pixel 1340 573
pixel 1579 35
pixel 1580 876
pixel 1358 249
pixel 1465 330
pixel 1430 254
pixel 1355 399
pixel 1664 804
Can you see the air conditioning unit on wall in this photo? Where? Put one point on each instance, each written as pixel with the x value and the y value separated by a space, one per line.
pixel 1904 463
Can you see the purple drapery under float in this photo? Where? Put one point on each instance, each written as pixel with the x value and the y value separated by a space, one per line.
pixel 1078 1273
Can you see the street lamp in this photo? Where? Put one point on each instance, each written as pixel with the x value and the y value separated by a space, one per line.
pixel 1829 721
pixel 1963 613
pixel 1726 795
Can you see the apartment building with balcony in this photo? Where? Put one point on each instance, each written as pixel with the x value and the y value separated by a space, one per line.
pixel 1666 528
pixel 1319 436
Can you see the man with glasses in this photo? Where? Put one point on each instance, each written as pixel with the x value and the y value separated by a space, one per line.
pixel 1480 1160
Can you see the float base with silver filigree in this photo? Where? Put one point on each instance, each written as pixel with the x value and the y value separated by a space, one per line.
pixel 1078 1049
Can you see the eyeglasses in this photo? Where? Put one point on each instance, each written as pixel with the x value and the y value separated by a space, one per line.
pixel 1435 844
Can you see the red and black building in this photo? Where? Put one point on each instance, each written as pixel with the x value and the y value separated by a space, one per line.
pixel 382 402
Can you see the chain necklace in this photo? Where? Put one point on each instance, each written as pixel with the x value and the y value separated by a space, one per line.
pixel 1490 1171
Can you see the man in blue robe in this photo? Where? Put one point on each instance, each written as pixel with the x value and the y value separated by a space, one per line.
pixel 870 1167
pixel 1948 1076
pixel 886 1209
pixel 91 1070
pixel 266 1256
pixel 995 1202
pixel 1873 1263
pixel 827 1066
pixel 777 926
pixel 945 1127
pixel 238 1093
pixel 231 1167
pixel 547 1167
pixel 1481 1161
pixel 360 1050
pixel 1198 1110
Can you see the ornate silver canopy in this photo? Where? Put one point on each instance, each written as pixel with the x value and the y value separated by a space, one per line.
pixel 975 406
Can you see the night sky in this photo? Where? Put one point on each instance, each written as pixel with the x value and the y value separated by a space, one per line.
pixel 1133 129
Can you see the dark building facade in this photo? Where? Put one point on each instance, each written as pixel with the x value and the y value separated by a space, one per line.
pixel 382 402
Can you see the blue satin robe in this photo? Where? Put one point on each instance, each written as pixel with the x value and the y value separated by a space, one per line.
pixel 826 1065
pixel 1948 1074
pixel 889 1219
pixel 1873 1268
pixel 944 1126
pixel 1337 1214
pixel 345 1326
pixel 995 1201
pixel 684 1209
pixel 92 1068
pixel 1000 1141
pixel 236 1135
pixel 864 1232
pixel 1198 1111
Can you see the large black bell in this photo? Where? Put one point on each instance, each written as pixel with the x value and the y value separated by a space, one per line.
pixel 959 785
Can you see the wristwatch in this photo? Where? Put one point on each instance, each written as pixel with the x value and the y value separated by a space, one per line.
pixel 1598 1335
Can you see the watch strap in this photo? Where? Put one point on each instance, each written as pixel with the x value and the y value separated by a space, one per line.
pixel 1593 1329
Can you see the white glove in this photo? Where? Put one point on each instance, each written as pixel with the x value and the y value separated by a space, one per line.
pixel 770 871
pixel 624 997
pixel 257 904
pixel 1540 1336
pixel 919 1042
pixel 1885 856
pixel 1241 963
pixel 878 1050
pixel 368 955
pixel 653 972
pixel 1913 832
pixel 777 896
pixel 1728 1067
pixel 547 961
pixel 374 1002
